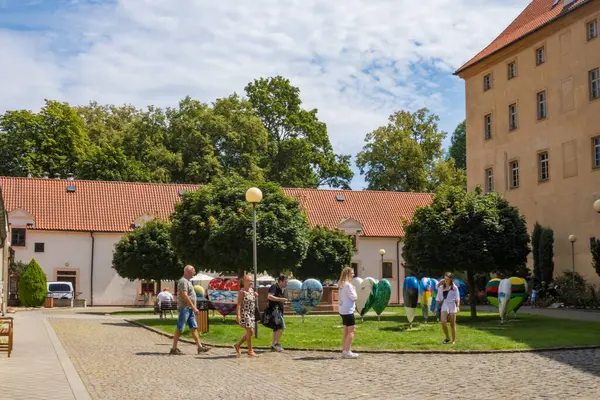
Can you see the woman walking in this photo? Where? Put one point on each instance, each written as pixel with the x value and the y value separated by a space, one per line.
pixel 449 297
pixel 245 315
pixel 347 304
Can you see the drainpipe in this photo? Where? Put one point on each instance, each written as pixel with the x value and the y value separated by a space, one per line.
pixel 92 270
pixel 398 267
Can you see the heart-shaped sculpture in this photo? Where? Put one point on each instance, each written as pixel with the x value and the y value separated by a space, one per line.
pixel 384 291
pixel 309 296
pixel 426 293
pixel 366 295
pixel 411 297
pixel 224 300
pixel 491 291
pixel 434 283
pixel 518 294
pixel 504 292
pixel 293 290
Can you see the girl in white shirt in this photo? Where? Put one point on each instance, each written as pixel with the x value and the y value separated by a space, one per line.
pixel 449 296
pixel 346 305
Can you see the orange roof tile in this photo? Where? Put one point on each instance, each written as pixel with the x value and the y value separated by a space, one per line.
pixel 537 14
pixel 380 213
pixel 102 206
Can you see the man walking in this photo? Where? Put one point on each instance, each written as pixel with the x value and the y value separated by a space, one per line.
pixel 186 306
pixel 275 307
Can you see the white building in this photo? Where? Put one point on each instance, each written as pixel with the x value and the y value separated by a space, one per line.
pixel 71 227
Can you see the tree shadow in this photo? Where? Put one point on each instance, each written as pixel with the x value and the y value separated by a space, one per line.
pixel 315 358
pixel 122 324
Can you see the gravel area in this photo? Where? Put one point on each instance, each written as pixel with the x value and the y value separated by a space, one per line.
pixel 117 360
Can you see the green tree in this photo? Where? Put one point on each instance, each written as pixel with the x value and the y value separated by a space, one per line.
pixel 595 249
pixel 33 286
pixel 147 254
pixel 472 232
pixel 546 255
pixel 212 228
pixel 328 253
pixel 445 172
pixel 458 145
pixel 53 140
pixel 535 245
pixel 401 155
pixel 300 153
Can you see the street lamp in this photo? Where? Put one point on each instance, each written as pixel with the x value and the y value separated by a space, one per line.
pixel 597 206
pixel 573 239
pixel 382 253
pixel 254 196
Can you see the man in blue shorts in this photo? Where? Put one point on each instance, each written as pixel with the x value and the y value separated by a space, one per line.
pixel 186 305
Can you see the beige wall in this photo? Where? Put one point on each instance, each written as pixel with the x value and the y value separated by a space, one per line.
pixel 564 202
pixel 369 261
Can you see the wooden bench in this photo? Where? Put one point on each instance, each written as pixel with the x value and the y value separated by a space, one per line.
pixel 161 306
pixel 6 331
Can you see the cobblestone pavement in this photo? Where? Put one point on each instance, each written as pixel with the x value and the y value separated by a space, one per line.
pixel 117 360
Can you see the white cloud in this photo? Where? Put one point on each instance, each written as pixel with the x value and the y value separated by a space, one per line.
pixel 355 60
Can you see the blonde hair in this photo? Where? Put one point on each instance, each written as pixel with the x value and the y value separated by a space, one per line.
pixel 244 280
pixel 344 276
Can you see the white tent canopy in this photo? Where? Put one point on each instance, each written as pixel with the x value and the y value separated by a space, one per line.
pixel 202 280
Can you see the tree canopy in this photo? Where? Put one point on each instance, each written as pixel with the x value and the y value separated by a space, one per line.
pixel 471 232
pixel 147 254
pixel 212 228
pixel 458 145
pixel 328 253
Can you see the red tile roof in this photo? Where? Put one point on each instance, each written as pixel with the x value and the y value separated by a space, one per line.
pixel 537 14
pixel 102 206
pixel 380 213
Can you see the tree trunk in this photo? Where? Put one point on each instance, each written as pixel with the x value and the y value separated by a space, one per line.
pixel 158 287
pixel 240 275
pixel 472 294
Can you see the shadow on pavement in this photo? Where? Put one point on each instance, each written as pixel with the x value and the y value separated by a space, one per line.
pixel 315 358
pixel 122 324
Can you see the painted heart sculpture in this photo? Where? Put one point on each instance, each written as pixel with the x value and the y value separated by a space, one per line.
pixel 224 300
pixel 491 291
pixel 504 292
pixel 518 294
pixel 426 293
pixel 366 295
pixel 293 290
pixel 411 297
pixel 305 298
pixel 384 291
pixel 434 283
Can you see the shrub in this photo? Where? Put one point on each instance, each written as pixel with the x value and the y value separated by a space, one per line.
pixel 595 249
pixel 573 291
pixel 32 286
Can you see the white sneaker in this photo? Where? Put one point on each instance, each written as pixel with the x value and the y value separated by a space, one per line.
pixel 349 355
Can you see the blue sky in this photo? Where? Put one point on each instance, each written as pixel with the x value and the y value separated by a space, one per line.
pixel 357 61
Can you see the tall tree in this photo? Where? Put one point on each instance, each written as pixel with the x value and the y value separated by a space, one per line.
pixel 474 232
pixel 445 172
pixel 328 253
pixel 53 140
pixel 147 254
pixel 458 145
pixel 212 228
pixel 300 153
pixel 535 245
pixel 401 155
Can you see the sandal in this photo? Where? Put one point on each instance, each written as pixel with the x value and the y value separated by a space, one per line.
pixel 238 352
pixel 251 353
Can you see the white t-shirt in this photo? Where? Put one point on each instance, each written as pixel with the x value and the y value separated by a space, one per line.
pixel 453 294
pixel 164 296
pixel 347 299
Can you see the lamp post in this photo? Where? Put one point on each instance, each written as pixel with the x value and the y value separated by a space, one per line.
pixel 382 253
pixel 573 239
pixel 254 196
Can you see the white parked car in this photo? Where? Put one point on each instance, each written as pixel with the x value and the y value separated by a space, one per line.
pixel 60 290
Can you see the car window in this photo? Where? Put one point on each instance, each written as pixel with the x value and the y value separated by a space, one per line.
pixel 59 287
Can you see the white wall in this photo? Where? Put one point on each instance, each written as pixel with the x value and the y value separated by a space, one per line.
pixel 369 261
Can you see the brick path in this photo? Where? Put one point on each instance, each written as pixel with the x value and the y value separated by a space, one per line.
pixel 117 360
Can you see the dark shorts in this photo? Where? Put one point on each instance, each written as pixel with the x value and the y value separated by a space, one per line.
pixel 348 319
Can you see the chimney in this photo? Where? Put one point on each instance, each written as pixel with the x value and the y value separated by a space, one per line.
pixel 44 175
pixel 57 176
pixel 29 174
pixel 70 176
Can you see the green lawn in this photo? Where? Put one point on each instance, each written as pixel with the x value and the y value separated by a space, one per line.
pixel 393 332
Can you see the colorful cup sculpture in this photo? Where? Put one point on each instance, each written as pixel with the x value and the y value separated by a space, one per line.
pixel 426 292
pixel 411 297
pixel 516 298
pixel 504 292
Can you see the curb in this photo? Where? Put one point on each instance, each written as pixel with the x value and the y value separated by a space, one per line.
pixel 382 351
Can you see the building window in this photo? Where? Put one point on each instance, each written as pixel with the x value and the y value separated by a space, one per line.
pixel 387 270
pixel 148 287
pixel 512 117
pixel 18 237
pixel 596 152
pixel 542 108
pixel 540 56
pixel 355 268
pixel 487 82
pixel 39 247
pixel 489 180
pixel 514 174
pixel 592 29
pixel 595 84
pixel 543 166
pixel 512 70
pixel 487 127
